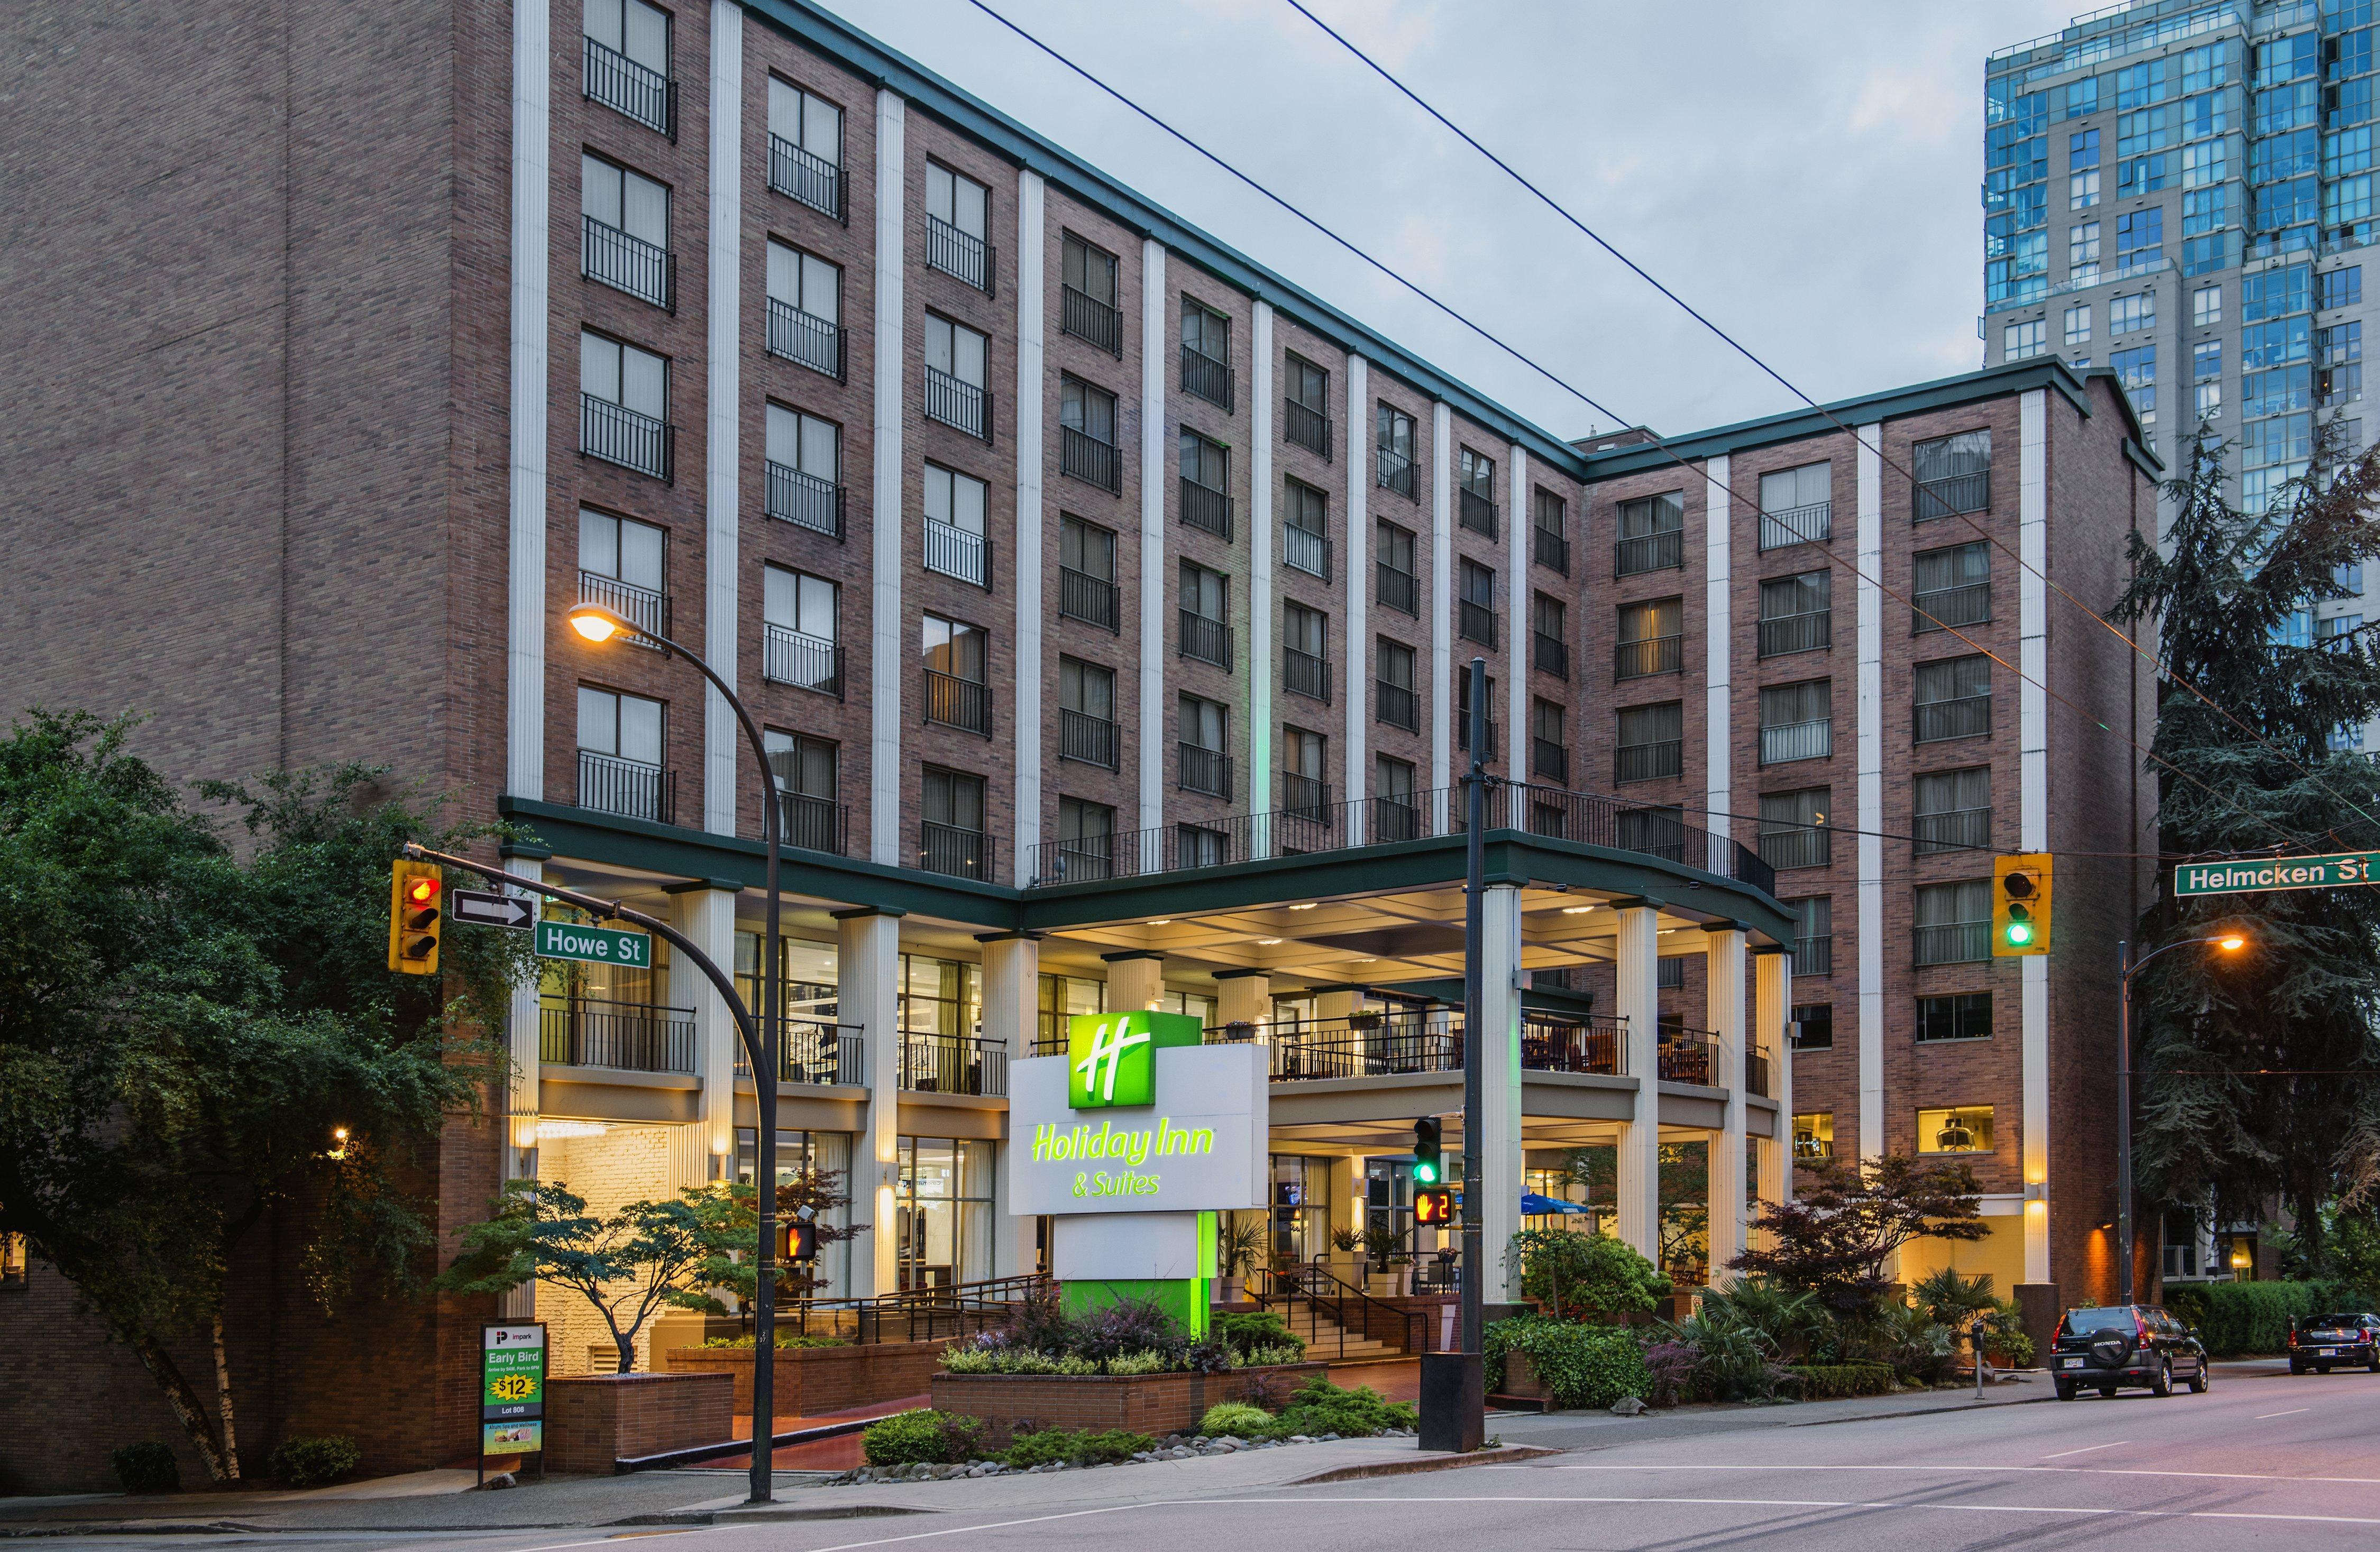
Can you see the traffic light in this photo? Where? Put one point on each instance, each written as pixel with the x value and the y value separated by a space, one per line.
pixel 2021 904
pixel 414 912
pixel 1428 1170
pixel 1434 1208
pixel 801 1241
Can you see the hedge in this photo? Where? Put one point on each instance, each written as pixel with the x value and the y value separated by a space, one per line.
pixel 2233 1318
pixel 1580 1366
pixel 1822 1382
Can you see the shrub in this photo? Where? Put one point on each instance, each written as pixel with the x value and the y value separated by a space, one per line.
pixel 2237 1317
pixel 1669 1372
pixel 311 1462
pixel 1139 1364
pixel 147 1467
pixel 1261 1329
pixel 1236 1418
pixel 1734 1360
pixel 1907 1340
pixel 934 1438
pixel 1825 1381
pixel 1047 1446
pixel 784 1340
pixel 1128 1326
pixel 1595 1273
pixel 1267 1355
pixel 1320 1407
pixel 1792 1318
pixel 1582 1366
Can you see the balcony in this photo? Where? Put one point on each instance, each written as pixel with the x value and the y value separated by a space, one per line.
pixel 1394 817
pixel 1810 631
pixel 640 91
pixel 1799 846
pixel 1649 762
pixel 807 339
pixel 1085 858
pixel 958 403
pixel 1954 943
pixel 1304 549
pixel 815 1050
pixel 1086 318
pixel 1549 760
pixel 1399 589
pixel 1551 551
pixel 1209 378
pixel 804 500
pixel 1689 1056
pixel 1091 600
pixel 619 435
pixel 630 789
pixel 1951 496
pixel 1305 426
pixel 1085 457
pixel 1797 524
pixel 956 702
pixel 1550 654
pixel 955 552
pixel 613 257
pixel 1970 603
pixel 1960 717
pixel 1756 1073
pixel 809 663
pixel 1476 622
pixel 1648 656
pixel 949 850
pixel 1588 1045
pixel 1304 674
pixel 1652 551
pixel 1082 736
pixel 953 1064
pixel 1783 743
pixel 1303 797
pixel 1206 771
pixel 961 255
pixel 641 607
pixel 1475 511
pixel 625 1037
pixel 1209 640
pixel 1394 471
pixel 815 824
pixel 1397 705
pixel 1815 955
pixel 809 178
pixel 1463 735
pixel 1954 829
pixel 1204 507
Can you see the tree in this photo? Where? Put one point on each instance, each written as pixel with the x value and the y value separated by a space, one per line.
pixel 731 1215
pixel 182 1030
pixel 1835 1238
pixel 2258 1073
pixel 1684 1188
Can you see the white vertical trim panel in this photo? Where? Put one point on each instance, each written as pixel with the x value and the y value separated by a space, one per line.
pixel 525 494
pixel 1441 599
pixel 884 508
pixel 1516 624
pixel 1153 537
pixel 1031 259
pixel 721 440
pixel 2032 794
pixel 1260 567
pixel 1871 790
pixel 1718 542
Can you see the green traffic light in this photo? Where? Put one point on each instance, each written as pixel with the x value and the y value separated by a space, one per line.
pixel 1426 1174
pixel 2020 933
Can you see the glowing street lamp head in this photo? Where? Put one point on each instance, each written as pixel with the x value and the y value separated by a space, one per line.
pixel 2231 943
pixel 593 623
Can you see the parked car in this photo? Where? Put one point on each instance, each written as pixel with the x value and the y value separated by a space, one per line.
pixel 2321 1343
pixel 2125 1347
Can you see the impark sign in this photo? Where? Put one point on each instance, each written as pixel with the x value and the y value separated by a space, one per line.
pixel 2262 875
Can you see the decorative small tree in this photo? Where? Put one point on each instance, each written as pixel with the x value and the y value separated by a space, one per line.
pixel 1835 1238
pixel 1586 1274
pixel 733 1218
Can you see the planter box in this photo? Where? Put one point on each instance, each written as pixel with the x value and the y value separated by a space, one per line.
pixel 811 1380
pixel 1152 1404
pixel 1521 1381
pixel 592 1421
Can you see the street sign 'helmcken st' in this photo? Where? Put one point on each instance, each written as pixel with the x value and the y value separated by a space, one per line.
pixel 2255 875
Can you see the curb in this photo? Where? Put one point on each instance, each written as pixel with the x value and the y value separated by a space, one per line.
pixel 1923 1412
pixel 1511 1454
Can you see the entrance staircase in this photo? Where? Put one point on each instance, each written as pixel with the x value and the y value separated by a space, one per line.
pixel 1342 1324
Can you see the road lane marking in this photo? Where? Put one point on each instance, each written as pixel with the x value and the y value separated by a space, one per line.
pixel 2085 1449
pixel 2291 1412
pixel 2047 1471
pixel 1806 1503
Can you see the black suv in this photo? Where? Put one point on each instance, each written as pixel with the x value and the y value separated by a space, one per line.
pixel 2125 1346
pixel 2320 1342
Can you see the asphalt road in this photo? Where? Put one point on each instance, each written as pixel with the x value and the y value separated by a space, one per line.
pixel 2262 1459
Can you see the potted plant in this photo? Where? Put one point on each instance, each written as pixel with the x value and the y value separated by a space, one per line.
pixel 1349 1243
pixel 1389 1262
pixel 1239 1240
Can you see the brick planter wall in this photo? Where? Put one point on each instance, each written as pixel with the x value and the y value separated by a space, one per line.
pixel 594 1420
pixel 811 1380
pixel 1152 1404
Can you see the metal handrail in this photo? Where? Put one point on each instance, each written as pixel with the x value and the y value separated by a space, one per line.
pixel 644 607
pixel 1551 551
pixel 1399 589
pixel 1969 603
pixel 912 1315
pixel 955 552
pixel 624 1037
pixel 969 1064
pixel 1647 656
pixel 1477 622
pixel 1476 512
pixel 1549 654
pixel 637 91
pixel 953 850
pixel 1797 524
pixel 1306 675
pixel 1957 717
pixel 1084 737
pixel 956 702
pixel 809 663
pixel 1805 632
pixel 1394 471
pixel 1658 550
pixel 631 789
pixel 815 1050
pixel 1323 1295
pixel 1304 549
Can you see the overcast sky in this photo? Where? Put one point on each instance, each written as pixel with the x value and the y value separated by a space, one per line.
pixel 1804 173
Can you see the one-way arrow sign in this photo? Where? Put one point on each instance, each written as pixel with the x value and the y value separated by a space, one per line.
pixel 488 908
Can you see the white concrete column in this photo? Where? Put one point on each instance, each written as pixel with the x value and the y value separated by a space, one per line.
pixel 532 177
pixel 2033 804
pixel 1718 593
pixel 706 913
pixel 1500 1088
pixel 1354 738
pixel 1871 793
pixel 867 995
pixel 1262 409
pixel 723 407
pixel 1244 998
pixel 1772 1010
pixel 1723 956
pixel 888 667
pixel 1135 980
pixel 1030 670
pixel 1441 599
pixel 1638 1213
pixel 1516 621
pixel 1154 483
pixel 1338 1003
pixel 1011 1008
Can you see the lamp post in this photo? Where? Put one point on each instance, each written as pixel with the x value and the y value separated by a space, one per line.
pixel 600 624
pixel 2126 968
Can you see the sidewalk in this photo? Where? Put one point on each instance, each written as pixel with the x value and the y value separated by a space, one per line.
pixel 1598 1429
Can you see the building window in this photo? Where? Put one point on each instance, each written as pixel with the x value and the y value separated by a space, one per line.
pixel 1063 998
pixel 1967 1016
pixel 1086 840
pixel 951 836
pixel 1087 726
pixel 1087 434
pixel 1392 450
pixel 1954 475
pixel 624 567
pixel 623 406
pixel 1090 280
pixel 1652 742
pixel 1651 638
pixel 2078 323
pixel 1475 489
pixel 2083 189
pixel 1954 810
pixel 1813 1131
pixel 2083 254
pixel 1796 613
pixel 1205 613
pixel 2140 238
pixel 1206 354
pixel 799 619
pixel 1551 516
pixel 1399 586
pixel 1814 935
pixel 955 541
pixel 956 358
pixel 1655 832
pixel 945 1205
pixel 1306 637
pixel 958 226
pixel 2340 287
pixel 620 744
pixel 1794 830
pixel 1205 484
pixel 624 231
pixel 1954 922
pixel 1797 721
pixel 804 456
pixel 809 788
pixel 1814 1026
pixel 958 687
pixel 2128 313
pixel 2022 341
pixel 1548 749
pixel 1395 815
pixel 1305 404
pixel 806 310
pixel 1206 762
pixel 1651 534
pixel 1548 636
pixel 1304 759
pixel 805 148
pixel 1965 1129
pixel 1954 586
pixel 1086 588
pixel 1394 701
pixel 2206 306
pixel 1797 505
pixel 628 62
pixel 1304 524
pixel 1953 699
pixel 1475 606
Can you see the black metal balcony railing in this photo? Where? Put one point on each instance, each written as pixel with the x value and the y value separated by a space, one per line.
pixel 1648 656
pixel 1085 457
pixel 1755 1073
pixel 807 176
pixel 631 789
pixel 1395 471
pixel 1399 589
pixel 1956 829
pixel 956 702
pixel 954 551
pixel 948 849
pixel 1397 705
pixel 1952 495
pixel 1649 762
pixel 1689 1056
pixel 1206 771
pixel 620 83
pixel 1082 736
pixel 1550 654
pixel 1797 524
pixel 1091 600
pixel 641 607
pixel 627 1037
pixel 807 340
pixel 816 1051
pixel 1304 549
pixel 1087 318
pixel 1476 622
pixel 957 403
pixel 1475 511
pixel 1954 943
pixel 1305 426
pixel 613 257
pixel 1204 507
pixel 961 255
pixel 1970 603
pixel 1209 640
pixel 1801 846
pixel 809 663
pixel 1806 632
pixel 953 1064
pixel 1551 549
pixel 1652 551
pixel 1549 760
pixel 815 824
pixel 1595 1044
pixel 1797 741
pixel 1306 675
pixel 619 435
pixel 1304 796
pixel 1084 857
pixel 1960 717
pixel 804 500
pixel 1814 955
pixel 1209 378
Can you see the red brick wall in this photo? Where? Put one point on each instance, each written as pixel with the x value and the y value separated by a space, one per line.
pixel 597 1419
pixel 1153 1404
pixel 811 1380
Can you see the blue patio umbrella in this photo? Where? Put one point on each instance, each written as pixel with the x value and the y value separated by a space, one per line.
pixel 1535 1206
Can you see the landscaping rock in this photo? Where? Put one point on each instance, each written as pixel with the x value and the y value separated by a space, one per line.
pixel 1627 1406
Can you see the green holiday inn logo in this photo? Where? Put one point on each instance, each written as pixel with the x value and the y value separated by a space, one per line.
pixel 1111 1057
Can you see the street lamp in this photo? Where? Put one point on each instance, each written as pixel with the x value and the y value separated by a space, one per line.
pixel 599 625
pixel 2231 940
